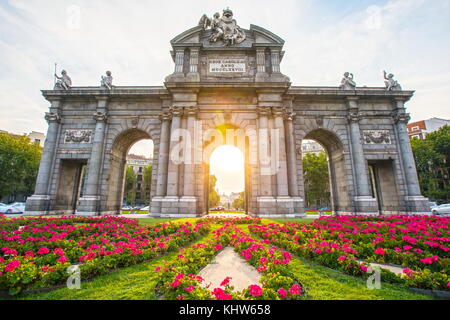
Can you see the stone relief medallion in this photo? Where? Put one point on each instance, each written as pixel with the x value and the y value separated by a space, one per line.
pixel 78 136
pixel 377 137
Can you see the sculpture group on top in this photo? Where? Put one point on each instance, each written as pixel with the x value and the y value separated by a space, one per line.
pixel 348 82
pixel 223 28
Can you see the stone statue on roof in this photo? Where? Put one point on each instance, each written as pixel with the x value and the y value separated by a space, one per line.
pixel 223 28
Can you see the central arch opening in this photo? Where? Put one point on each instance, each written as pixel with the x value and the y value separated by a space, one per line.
pixel 227 182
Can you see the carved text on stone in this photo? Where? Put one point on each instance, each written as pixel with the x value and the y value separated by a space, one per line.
pixel 227 65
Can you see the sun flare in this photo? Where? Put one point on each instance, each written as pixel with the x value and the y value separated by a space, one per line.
pixel 227 164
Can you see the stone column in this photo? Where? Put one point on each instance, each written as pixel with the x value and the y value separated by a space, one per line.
pixel 189 165
pixel 89 203
pixel 401 119
pixel 291 155
pixel 264 152
pixel 193 74
pixel 261 72
pixel 275 58
pixel 172 175
pixel 280 148
pixel 163 159
pixel 39 203
pixel 364 200
pixel 179 60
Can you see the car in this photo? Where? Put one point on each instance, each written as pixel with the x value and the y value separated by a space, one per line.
pixel 15 208
pixel 433 204
pixel 442 209
pixel 147 208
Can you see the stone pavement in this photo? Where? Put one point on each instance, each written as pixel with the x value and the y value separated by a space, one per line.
pixel 229 264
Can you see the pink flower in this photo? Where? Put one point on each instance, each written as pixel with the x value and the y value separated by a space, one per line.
pixel 58 251
pixel 255 290
pixel 29 254
pixel 262 268
pixel 62 259
pixel 225 282
pixel 179 276
pixel 342 258
pixel 429 260
pixel 161 245
pixel 287 255
pixel 263 260
pixel 406 248
pixel 11 266
pixel 218 247
pixel 364 268
pixel 295 289
pixel 189 289
pixel 282 293
pixel 43 250
pixel 380 251
pixel 157 268
pixel 175 284
pixel 180 297
pixel 408 272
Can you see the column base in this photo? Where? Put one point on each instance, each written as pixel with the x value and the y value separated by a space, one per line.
pixel 366 205
pixel 88 206
pixel 176 207
pixel 291 207
pixel 37 205
pixel 417 205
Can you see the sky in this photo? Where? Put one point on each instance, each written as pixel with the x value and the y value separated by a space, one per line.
pixel 324 38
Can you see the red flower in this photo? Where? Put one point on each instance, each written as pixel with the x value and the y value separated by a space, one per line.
pixel 380 251
pixel 282 293
pixel 189 289
pixel 255 290
pixel 11 266
pixel 225 282
pixel 175 284
pixel 295 289
pixel 43 250
pixel 62 259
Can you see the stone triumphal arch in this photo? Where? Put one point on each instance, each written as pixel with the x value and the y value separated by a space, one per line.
pixel 227 88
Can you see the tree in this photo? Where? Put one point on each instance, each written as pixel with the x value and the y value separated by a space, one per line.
pixel 130 185
pixel 19 164
pixel 147 175
pixel 239 203
pixel 432 157
pixel 317 180
pixel 214 197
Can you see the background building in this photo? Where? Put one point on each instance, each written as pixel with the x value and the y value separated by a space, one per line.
pixel 419 129
pixel 311 146
pixel 139 164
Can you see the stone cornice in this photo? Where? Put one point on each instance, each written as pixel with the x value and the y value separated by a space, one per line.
pixel 361 92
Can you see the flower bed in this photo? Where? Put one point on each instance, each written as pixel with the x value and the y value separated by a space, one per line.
pixel 232 220
pixel 36 252
pixel 179 279
pixel 418 243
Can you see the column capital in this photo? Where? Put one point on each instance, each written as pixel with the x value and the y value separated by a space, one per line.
pixel 401 118
pixel 264 111
pixel 52 117
pixel 354 116
pixel 191 111
pixel 279 111
pixel 166 116
pixel 176 111
pixel 290 116
pixel 100 117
